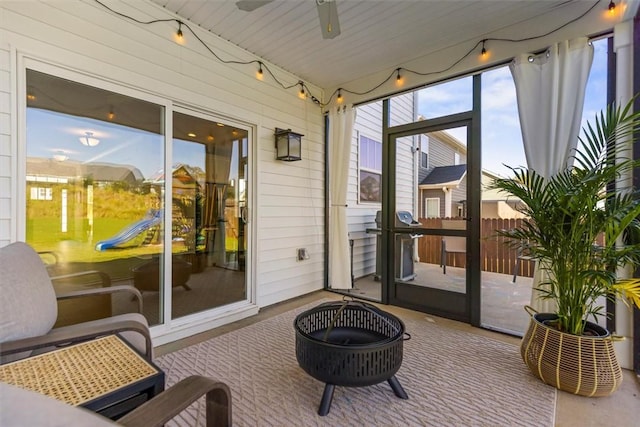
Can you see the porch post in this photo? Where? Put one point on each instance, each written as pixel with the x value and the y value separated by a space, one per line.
pixel 623 47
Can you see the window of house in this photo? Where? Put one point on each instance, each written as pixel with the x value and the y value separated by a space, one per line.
pixel 432 207
pixel 370 174
pixel 456 158
pixel 41 193
pixel 424 151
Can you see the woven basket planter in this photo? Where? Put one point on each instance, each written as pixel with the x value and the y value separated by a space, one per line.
pixel 583 365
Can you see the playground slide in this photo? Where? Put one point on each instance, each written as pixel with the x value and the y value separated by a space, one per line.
pixel 130 232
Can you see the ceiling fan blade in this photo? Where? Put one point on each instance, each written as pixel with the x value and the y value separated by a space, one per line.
pixel 250 5
pixel 328 14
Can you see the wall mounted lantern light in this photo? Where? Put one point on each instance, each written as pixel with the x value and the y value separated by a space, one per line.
pixel 288 145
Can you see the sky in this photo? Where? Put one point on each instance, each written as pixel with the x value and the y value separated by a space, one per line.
pixel 501 136
pixel 51 134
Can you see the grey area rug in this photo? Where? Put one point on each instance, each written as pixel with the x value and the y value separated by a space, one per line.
pixel 453 378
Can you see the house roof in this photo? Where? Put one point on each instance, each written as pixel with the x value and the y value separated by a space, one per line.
pixel 102 172
pixel 444 175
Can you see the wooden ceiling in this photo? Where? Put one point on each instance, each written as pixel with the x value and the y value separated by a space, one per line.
pixel 376 35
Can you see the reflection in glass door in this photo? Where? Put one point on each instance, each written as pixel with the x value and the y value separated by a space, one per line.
pixel 209 208
pixel 95 196
pixel 91 202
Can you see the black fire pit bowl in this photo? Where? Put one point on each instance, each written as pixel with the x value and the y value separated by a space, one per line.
pixel 349 344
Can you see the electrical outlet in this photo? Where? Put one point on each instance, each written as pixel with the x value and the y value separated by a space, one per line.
pixel 303 254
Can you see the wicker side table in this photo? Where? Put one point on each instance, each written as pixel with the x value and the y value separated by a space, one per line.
pixel 104 375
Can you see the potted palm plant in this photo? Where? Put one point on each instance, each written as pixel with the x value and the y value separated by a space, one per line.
pixel 581 231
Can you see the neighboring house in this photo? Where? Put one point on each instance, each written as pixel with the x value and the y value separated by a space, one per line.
pixel 52 170
pixel 442 176
pixel 494 204
pixel 442 182
pixel 66 188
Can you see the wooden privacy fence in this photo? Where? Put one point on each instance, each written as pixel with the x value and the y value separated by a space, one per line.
pixel 496 255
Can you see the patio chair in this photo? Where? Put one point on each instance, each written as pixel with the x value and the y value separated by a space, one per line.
pixel 28 310
pixel 93 306
pixel 452 244
pixel 21 407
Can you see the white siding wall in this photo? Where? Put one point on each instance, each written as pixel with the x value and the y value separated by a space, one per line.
pixel 288 199
pixel 362 215
pixel 406 181
pixel 5 145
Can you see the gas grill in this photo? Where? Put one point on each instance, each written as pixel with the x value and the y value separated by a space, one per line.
pixel 405 243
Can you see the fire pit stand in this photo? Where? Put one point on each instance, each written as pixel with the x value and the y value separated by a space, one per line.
pixel 349 344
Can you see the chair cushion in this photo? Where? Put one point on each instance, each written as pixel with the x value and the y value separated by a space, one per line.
pixel 19 408
pixel 132 337
pixel 28 306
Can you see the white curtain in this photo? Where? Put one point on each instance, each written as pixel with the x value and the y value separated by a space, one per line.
pixel 550 90
pixel 340 132
pixel 218 165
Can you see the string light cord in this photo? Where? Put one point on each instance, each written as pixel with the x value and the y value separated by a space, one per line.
pixel 463 57
pixel 369 90
pixel 265 67
pixel 261 64
pixel 444 70
pixel 549 32
pixel 338 92
pixel 131 18
pixel 407 70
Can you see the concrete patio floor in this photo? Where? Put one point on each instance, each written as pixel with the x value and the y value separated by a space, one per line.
pixel 502 301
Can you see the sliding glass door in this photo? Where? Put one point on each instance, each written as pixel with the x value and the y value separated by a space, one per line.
pixel 89 203
pixel 99 196
pixel 209 195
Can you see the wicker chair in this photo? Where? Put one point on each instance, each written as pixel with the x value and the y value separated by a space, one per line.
pixel 19 407
pixel 28 310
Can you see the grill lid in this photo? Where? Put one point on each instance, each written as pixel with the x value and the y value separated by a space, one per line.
pixel 405 219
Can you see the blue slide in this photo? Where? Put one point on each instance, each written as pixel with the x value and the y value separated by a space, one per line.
pixel 130 232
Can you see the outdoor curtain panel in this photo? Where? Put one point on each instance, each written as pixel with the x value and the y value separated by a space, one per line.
pixel 550 91
pixel 218 165
pixel 340 132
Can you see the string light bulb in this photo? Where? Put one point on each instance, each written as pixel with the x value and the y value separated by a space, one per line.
pixel 259 73
pixel 612 7
pixel 302 94
pixel 339 99
pixel 399 80
pixel 111 114
pixel 179 37
pixel 483 52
